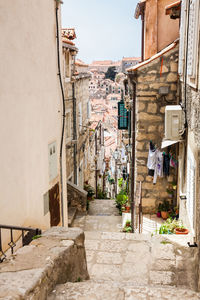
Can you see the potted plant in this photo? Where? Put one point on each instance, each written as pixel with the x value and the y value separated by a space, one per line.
pixel 127 227
pixel 159 210
pixel 90 191
pixel 181 230
pixel 165 209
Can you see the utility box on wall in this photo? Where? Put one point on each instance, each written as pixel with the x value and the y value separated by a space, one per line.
pixel 174 122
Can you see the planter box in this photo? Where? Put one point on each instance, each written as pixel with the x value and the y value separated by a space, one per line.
pixel 125 217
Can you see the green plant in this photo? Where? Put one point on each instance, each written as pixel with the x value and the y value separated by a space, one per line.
pixel 89 189
pixel 159 207
pixel 101 194
pixel 169 226
pixel 35 237
pixel 165 206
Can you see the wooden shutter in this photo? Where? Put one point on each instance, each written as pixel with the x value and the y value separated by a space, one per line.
pixel 193 38
pixel 182 37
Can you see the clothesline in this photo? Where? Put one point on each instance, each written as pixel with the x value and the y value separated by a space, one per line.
pixel 159 162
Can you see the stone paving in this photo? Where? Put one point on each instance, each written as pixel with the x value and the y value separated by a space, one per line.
pixel 130 266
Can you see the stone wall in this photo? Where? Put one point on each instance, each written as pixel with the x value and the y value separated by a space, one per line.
pixel 150 108
pixel 76 196
pixel 34 270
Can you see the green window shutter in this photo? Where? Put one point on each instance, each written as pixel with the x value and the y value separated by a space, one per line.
pixel 122 116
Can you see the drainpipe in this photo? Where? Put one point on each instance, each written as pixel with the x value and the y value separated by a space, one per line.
pixel 63 114
pixel 142 50
pixel 133 159
pixel 74 132
pixel 96 162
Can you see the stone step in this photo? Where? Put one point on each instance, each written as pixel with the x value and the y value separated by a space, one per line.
pixel 71 215
pixel 102 290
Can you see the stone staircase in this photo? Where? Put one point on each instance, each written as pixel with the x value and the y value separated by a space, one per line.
pixel 130 266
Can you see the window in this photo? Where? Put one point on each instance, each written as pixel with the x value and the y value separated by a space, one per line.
pixel 182 37
pixel 88 109
pixel 67 64
pixel 52 161
pixel 80 117
pixel 193 38
pixel 68 126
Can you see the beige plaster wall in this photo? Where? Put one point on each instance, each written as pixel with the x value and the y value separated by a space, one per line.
pixel 168 29
pixel 160 30
pixel 30 114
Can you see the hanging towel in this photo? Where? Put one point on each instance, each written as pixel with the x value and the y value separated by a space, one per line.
pixel 158 166
pixel 166 164
pixel 151 161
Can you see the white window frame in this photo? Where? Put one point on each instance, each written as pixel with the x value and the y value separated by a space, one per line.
pixel 182 37
pixel 80 116
pixel 193 43
pixel 68 126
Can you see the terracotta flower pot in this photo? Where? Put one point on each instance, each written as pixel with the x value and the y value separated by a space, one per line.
pixel 128 208
pixel 181 231
pixel 164 215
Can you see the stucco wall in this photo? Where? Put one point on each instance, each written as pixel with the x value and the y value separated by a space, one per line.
pixel 30 115
pixel 160 30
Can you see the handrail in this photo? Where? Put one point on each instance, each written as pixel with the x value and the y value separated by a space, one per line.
pixel 26 239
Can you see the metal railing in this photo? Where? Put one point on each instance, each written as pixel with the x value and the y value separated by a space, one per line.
pixel 27 236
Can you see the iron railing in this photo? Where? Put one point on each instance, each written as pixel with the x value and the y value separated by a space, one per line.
pixel 27 236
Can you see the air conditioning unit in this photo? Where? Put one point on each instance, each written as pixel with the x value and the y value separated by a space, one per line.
pixel 174 122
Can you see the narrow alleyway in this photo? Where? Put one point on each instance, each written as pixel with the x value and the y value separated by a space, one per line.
pixel 126 266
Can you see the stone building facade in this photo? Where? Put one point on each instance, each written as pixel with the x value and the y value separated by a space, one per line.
pixel 151 75
pixel 77 109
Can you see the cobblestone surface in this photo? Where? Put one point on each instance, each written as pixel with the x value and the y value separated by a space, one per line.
pixel 131 266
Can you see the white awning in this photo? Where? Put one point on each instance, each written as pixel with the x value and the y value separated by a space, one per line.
pixel 167 143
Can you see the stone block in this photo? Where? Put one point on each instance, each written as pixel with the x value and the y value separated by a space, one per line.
pixel 152 108
pixel 140 178
pixel 162 277
pixel 140 106
pixel 92 244
pixel 173 66
pixel 106 271
pixel 149 201
pixel 142 86
pixel 112 246
pixel 140 154
pixel 146 98
pixel 117 236
pixel 164 265
pixel 145 136
pixel 173 87
pixel 146 93
pixel 109 258
pixel 136 272
pixel 148 78
pixel 162 110
pixel 147 117
pixel 172 77
pixel 163 251
pixel 152 128
pixel 139 146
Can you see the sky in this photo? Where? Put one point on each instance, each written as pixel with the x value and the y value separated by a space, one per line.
pixel 105 29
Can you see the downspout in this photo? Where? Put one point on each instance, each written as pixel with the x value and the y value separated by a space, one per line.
pixel 63 114
pixel 96 162
pixel 74 132
pixel 133 159
pixel 142 18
